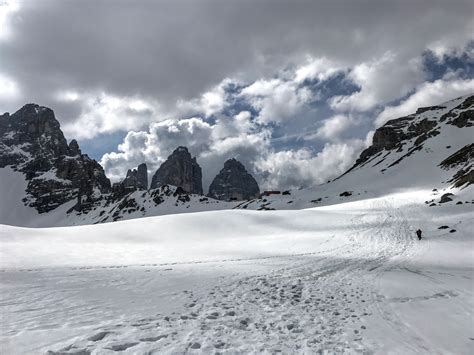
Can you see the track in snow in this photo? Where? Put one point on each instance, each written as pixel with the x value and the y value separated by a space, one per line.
pixel 319 301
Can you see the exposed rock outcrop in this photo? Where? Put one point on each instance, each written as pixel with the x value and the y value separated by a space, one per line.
pixel 463 160
pixel 234 183
pixel 73 148
pixel 137 178
pixel 180 170
pixel 413 130
pixel 31 141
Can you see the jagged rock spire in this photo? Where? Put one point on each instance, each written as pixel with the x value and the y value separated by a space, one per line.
pixel 181 170
pixel 137 178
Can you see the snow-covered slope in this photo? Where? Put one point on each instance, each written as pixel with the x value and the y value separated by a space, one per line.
pixel 346 278
pixel 432 149
pixel 162 201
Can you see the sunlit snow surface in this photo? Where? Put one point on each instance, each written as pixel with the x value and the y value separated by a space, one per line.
pixel 344 278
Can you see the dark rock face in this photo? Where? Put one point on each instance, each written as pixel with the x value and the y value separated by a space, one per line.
pixel 137 178
pixel 395 132
pixel 180 170
pixel 234 183
pixel 464 118
pixel 31 141
pixel 73 148
pixel 463 160
pixel 33 129
pixel 429 108
pixel 446 198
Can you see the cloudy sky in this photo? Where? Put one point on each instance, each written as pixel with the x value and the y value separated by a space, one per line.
pixel 294 89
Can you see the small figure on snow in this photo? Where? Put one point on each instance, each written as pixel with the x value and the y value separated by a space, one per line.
pixel 418 234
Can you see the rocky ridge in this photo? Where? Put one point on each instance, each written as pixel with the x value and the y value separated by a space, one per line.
pixel 407 134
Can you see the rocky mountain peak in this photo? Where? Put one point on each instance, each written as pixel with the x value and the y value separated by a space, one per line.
pixel 73 148
pixel 233 183
pixel 181 149
pixel 36 128
pixel 234 164
pixel 181 170
pixel 31 141
pixel 137 178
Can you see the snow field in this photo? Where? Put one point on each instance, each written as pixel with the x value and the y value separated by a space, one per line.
pixel 343 278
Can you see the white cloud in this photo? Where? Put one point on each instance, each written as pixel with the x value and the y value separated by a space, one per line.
pixel 276 100
pixel 210 102
pixel 212 144
pixel 67 96
pixel 230 126
pixel 104 113
pixel 7 9
pixel 280 100
pixel 427 94
pixel 134 150
pixel 317 68
pixel 381 80
pixel 8 88
pixel 296 168
pixel 335 125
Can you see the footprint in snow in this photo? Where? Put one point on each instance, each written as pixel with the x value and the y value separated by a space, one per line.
pixel 99 336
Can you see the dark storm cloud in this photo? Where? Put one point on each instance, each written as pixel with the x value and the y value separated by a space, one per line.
pixel 171 49
pixel 292 88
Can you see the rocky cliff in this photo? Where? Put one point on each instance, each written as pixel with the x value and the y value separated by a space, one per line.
pixel 136 179
pixel 180 170
pixel 233 183
pixel 31 141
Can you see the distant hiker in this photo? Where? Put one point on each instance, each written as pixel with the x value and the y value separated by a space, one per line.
pixel 418 233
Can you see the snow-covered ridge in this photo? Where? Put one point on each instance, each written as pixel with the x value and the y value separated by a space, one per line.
pixel 407 153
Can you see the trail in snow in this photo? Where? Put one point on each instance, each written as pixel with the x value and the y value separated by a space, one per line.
pixel 348 278
pixel 323 300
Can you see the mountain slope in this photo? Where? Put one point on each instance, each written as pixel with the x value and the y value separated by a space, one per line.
pixel 430 149
pixel 46 182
